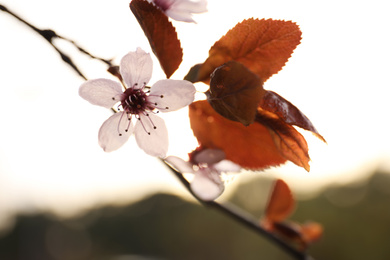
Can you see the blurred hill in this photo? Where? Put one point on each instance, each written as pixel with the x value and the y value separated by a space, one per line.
pixel 356 220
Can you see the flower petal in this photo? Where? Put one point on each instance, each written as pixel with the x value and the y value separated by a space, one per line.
pixel 101 92
pixel 115 131
pixel 151 135
pixel 207 185
pixel 182 10
pixel 178 15
pixel 195 7
pixel 181 165
pixel 136 68
pixel 209 156
pixel 170 95
pixel 227 166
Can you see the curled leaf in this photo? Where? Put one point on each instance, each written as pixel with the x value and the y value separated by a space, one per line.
pixel 251 147
pixel 235 92
pixel 263 46
pixel 161 34
pixel 279 115
pixel 290 114
pixel 280 204
pixel 290 143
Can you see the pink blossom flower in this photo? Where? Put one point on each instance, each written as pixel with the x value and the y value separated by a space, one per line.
pixel 137 102
pixel 181 10
pixel 208 167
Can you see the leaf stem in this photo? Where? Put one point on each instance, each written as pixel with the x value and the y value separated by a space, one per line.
pixel 243 218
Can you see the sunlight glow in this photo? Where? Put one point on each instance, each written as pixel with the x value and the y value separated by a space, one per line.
pixel 49 155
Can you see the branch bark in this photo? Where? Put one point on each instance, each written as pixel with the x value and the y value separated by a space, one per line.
pixel 243 218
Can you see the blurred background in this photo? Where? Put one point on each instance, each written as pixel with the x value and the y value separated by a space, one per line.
pixel 62 197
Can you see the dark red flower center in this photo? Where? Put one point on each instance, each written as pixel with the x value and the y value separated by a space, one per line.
pixel 135 101
pixel 163 4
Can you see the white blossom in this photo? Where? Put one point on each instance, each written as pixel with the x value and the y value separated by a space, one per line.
pixel 137 102
pixel 208 167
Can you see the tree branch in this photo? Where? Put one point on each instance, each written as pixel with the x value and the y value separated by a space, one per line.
pixel 243 218
pixel 50 35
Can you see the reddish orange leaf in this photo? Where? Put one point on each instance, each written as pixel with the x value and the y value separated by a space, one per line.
pixel 279 115
pixel 289 143
pixel 263 46
pixel 161 34
pixel 251 147
pixel 235 92
pixel 280 204
pixel 286 111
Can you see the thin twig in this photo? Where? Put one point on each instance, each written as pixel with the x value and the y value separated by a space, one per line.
pixel 243 218
pixel 108 62
pixel 50 35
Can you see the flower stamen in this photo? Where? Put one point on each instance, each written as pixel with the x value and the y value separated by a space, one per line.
pixel 134 101
pixel 151 121
pixel 119 123
pixel 139 118
pixel 116 97
pixel 129 124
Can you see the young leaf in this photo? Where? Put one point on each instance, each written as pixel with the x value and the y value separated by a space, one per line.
pixel 263 46
pixel 290 114
pixel 290 143
pixel 161 34
pixel 235 92
pixel 251 147
pixel 311 232
pixel 301 234
pixel 192 75
pixel 280 204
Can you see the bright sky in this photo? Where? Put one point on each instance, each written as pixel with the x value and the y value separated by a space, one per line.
pixel 49 156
